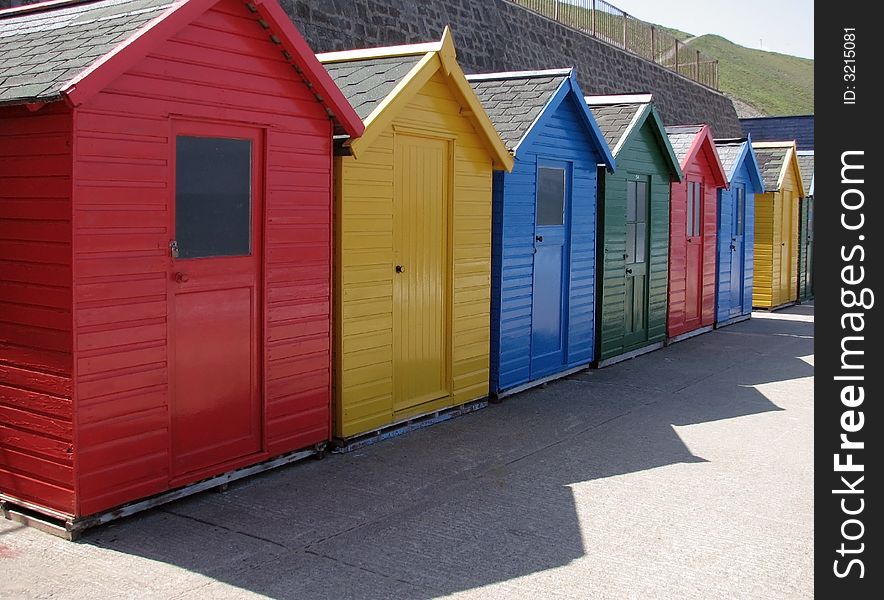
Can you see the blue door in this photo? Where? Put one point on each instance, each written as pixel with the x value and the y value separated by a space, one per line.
pixel 550 300
pixel 738 263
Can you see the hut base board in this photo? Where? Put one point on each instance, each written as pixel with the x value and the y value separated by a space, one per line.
pixel 537 382
pixel 690 334
pixel 70 528
pixel 344 445
pixel 777 307
pixel 627 355
pixel 732 320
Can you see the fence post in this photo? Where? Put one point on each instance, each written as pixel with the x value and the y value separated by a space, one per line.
pixel 676 55
pixel 625 17
pixel 653 44
pixel 592 14
pixel 698 65
pixel 556 11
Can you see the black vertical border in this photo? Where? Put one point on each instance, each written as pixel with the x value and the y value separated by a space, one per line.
pixel 840 128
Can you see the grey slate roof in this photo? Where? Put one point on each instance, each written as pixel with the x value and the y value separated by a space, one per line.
pixel 781 129
pixel 41 51
pixel 728 152
pixel 614 120
pixel 367 82
pixel 770 162
pixel 513 102
pixel 681 137
pixel 805 163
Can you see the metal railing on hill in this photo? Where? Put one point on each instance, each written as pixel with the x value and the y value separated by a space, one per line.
pixel 618 28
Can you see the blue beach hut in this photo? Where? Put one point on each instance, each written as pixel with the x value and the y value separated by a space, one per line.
pixel 543 258
pixel 736 230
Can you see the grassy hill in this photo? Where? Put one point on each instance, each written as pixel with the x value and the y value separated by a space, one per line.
pixel 771 83
pixel 759 83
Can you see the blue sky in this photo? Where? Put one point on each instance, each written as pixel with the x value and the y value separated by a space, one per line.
pixel 784 26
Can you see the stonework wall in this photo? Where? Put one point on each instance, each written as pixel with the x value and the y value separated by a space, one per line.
pixel 495 35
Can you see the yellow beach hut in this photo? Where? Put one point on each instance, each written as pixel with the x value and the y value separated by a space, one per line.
pixel 412 237
pixel 776 225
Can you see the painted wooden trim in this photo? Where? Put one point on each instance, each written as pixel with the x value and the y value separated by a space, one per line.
pixel 703 141
pixel 628 355
pixel 326 90
pixel 502 158
pixel 383 52
pixel 519 74
pixel 612 99
pixel 689 334
pixel 385 112
pixel 732 321
pixel 124 55
pixel 538 382
pixel 669 152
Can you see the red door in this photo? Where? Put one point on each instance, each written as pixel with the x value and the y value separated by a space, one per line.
pixel 694 256
pixel 214 299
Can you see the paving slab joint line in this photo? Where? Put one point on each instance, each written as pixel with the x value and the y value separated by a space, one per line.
pixel 226 528
pixel 367 570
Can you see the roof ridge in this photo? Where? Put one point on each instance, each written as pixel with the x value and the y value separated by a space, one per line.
pixel 380 52
pixel 504 75
pixel 36 7
pixel 619 99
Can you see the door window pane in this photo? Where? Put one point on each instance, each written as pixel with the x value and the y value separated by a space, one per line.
pixel 693 209
pixel 741 210
pixel 631 199
pixel 550 196
pixel 640 241
pixel 213 196
pixel 689 210
pixel 641 209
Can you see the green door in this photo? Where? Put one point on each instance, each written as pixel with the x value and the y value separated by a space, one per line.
pixel 635 317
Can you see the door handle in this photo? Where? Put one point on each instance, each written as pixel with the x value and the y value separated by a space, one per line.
pixel 400 269
pixel 629 271
pixel 181 277
pixel 539 238
pixel 733 247
pixel 173 248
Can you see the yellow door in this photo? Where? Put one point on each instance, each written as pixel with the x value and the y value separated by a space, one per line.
pixel 420 278
pixel 786 269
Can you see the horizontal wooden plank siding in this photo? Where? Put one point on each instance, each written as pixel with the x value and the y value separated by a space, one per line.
pixel 561 136
pixel 221 68
pixel 723 308
pixel 766 261
pixel 364 319
pixel 36 405
pixel 642 155
pixel 699 170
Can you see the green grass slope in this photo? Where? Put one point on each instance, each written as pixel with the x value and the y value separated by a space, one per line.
pixel 773 84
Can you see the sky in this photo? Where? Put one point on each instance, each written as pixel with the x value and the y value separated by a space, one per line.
pixel 784 26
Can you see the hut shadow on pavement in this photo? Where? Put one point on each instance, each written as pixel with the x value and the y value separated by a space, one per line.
pixel 478 500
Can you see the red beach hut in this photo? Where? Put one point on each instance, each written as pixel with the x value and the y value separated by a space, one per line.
pixel 165 263
pixel 693 222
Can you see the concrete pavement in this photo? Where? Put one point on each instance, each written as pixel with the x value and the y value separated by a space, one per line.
pixel 685 473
